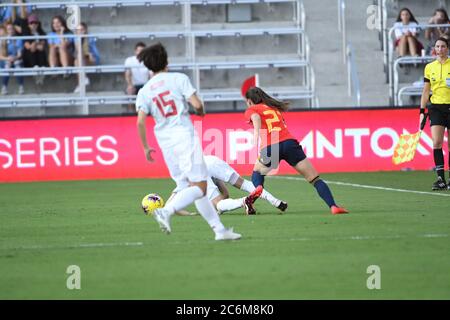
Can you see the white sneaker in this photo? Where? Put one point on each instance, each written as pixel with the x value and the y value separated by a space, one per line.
pixel 163 220
pixel 21 90
pixel 4 91
pixel 228 234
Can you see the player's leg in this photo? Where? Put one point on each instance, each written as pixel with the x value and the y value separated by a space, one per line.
pixel 292 152
pixel 247 186
pixel 259 172
pixel 187 194
pixel 196 170
pixel 437 135
pixel 306 169
pixel 181 212
pixel 438 122
pixel 448 145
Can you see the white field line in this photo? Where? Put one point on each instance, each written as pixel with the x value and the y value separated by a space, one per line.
pixel 363 186
pixel 78 246
pixel 140 244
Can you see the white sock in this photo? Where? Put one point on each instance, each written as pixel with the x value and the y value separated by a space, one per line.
pixel 183 198
pixel 230 204
pixel 249 187
pixel 270 198
pixel 207 211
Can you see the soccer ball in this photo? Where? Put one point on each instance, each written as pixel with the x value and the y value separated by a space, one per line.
pixel 151 202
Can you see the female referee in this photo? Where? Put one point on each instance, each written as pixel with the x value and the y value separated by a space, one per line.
pixel 437 78
pixel 264 112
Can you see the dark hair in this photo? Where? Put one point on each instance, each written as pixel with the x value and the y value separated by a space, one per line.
pixel 442 39
pixel 63 23
pixel 139 44
pixel 257 96
pixel 154 57
pixel 84 25
pixel 399 18
pixel 444 12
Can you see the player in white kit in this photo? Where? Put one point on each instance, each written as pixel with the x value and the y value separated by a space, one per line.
pixel 164 98
pixel 221 172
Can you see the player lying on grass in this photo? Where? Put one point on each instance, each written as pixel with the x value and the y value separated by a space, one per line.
pixel 277 144
pixel 220 173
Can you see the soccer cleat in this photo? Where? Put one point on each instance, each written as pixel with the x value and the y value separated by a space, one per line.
pixel 283 206
pixel 163 220
pixel 227 234
pixel 338 210
pixel 439 185
pixel 248 206
pixel 255 194
pixel 251 198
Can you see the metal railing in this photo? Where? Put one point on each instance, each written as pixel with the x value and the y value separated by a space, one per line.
pixel 342 26
pixel 353 84
pixel 354 89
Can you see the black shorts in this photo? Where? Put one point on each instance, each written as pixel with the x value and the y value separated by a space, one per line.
pixel 288 150
pixel 439 115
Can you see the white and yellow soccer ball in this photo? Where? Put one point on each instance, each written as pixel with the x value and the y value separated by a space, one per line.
pixel 151 202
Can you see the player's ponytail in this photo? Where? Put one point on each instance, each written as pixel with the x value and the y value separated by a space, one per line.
pixel 257 95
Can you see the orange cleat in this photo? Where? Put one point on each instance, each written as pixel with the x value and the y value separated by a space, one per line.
pixel 250 199
pixel 338 210
pixel 255 193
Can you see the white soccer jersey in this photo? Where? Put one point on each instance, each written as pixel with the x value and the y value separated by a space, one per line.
pixel 164 98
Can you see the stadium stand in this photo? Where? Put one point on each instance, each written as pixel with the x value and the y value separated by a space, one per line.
pixel 217 43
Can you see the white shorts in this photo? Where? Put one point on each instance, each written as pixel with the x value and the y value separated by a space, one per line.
pixel 212 190
pixel 185 160
pixel 219 169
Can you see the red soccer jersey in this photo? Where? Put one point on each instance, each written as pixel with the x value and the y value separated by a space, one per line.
pixel 273 128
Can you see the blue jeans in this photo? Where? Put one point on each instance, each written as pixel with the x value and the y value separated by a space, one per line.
pixel 7 65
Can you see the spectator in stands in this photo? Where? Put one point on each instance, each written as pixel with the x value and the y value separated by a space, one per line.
pixel 440 16
pixel 35 50
pixel 90 55
pixel 136 74
pixel 11 57
pixel 17 15
pixel 406 33
pixel 61 48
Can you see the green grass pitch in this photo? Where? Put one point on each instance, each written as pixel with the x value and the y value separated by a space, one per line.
pixel 305 253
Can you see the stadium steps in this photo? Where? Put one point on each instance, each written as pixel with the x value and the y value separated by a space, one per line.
pixel 327 59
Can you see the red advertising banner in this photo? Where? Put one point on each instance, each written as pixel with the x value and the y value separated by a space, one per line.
pixel 109 147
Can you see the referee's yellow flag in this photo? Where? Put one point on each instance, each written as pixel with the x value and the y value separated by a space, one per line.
pixel 406 147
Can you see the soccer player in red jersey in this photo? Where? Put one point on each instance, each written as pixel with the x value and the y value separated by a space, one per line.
pixel 277 143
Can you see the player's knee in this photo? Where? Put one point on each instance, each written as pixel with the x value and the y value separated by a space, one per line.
pixel 437 144
pixel 314 180
pixel 202 186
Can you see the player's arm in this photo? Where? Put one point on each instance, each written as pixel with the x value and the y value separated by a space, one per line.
pixel 222 188
pixel 424 100
pixel 197 104
pixel 256 120
pixel 142 116
pixel 128 79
